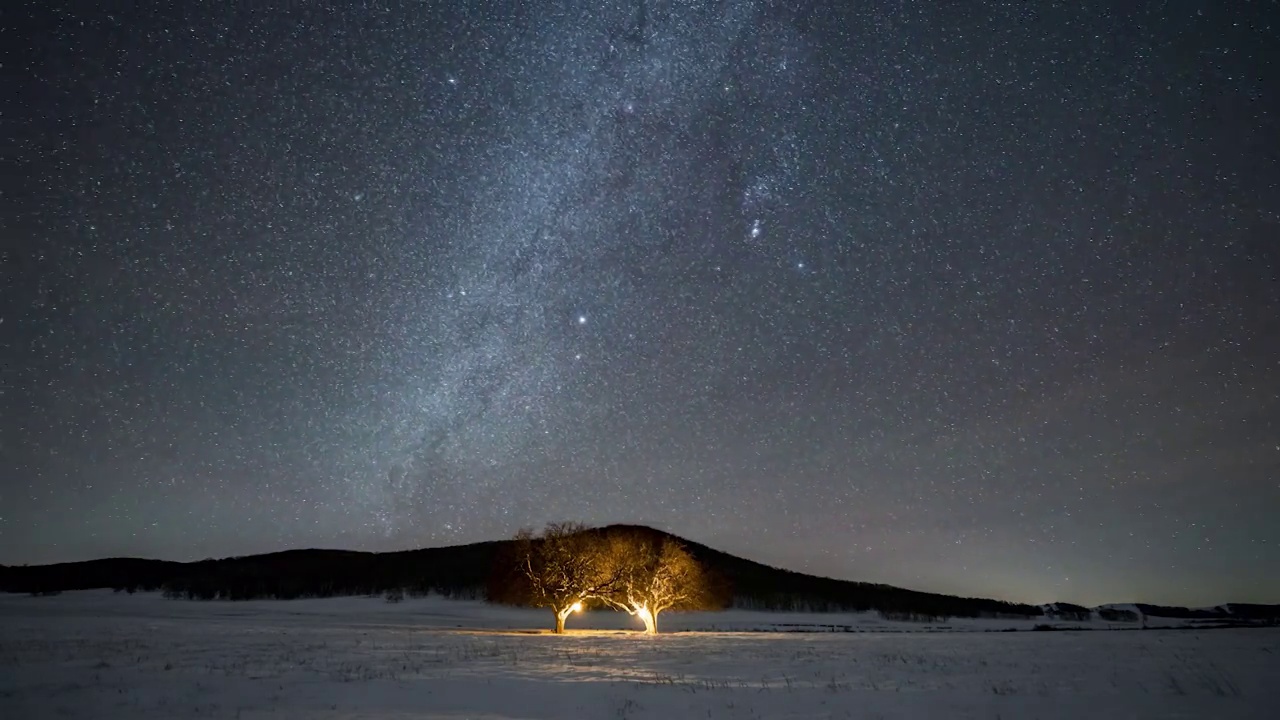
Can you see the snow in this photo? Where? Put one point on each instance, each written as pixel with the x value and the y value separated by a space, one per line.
pixel 104 655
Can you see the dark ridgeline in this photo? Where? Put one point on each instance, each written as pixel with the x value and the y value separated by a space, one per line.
pixel 480 571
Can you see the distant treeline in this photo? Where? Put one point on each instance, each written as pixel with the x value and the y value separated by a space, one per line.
pixel 470 571
pixel 460 571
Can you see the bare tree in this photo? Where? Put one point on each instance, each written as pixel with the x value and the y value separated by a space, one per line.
pixel 655 574
pixel 564 568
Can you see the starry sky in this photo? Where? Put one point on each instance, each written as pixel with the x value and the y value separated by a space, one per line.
pixel 975 297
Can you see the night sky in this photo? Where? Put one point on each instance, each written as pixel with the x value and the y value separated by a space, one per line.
pixel 965 297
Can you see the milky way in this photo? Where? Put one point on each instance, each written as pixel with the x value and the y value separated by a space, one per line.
pixel 978 299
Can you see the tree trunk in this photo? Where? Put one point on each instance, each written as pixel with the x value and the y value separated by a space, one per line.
pixel 650 623
pixel 560 616
pixel 648 618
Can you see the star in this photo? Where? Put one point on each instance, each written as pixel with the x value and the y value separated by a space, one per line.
pixel 849 283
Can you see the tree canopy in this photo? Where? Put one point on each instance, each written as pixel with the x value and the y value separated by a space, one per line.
pixel 569 565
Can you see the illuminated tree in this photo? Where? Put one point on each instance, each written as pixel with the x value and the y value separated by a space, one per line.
pixel 563 568
pixel 656 573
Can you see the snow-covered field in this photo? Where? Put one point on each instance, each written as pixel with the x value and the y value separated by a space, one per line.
pixel 102 655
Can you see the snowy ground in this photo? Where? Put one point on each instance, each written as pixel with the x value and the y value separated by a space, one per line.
pixel 99 655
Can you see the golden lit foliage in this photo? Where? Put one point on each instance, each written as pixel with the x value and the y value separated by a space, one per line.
pixel 568 565
pixel 656 573
pixel 562 567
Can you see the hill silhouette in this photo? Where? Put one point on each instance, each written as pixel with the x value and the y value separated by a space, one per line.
pixel 469 571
